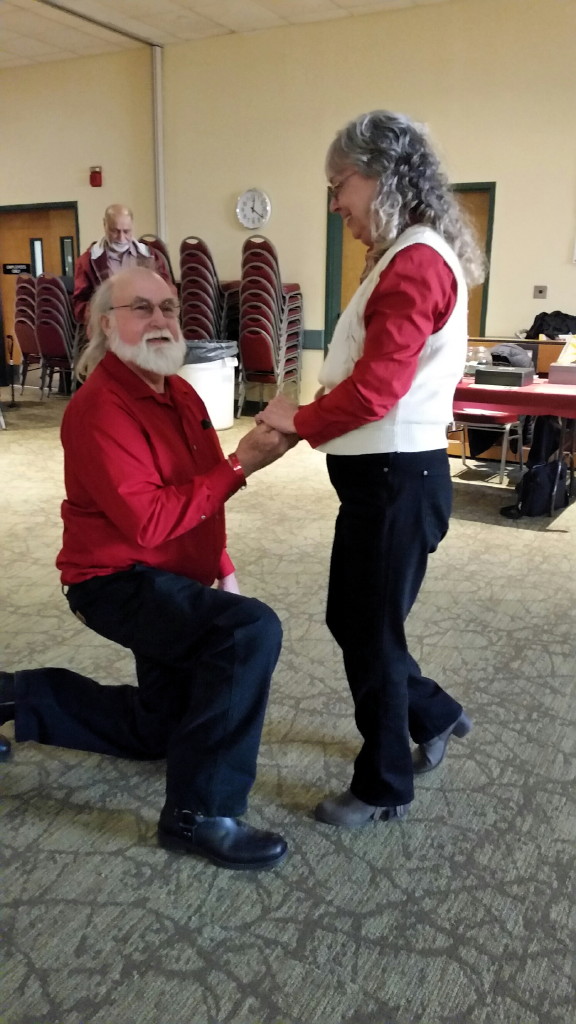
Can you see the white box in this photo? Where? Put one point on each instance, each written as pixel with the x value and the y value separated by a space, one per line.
pixel 562 373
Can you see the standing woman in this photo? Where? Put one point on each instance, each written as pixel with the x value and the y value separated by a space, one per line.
pixel 388 382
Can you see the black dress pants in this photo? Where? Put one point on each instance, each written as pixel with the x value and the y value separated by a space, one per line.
pixel 394 512
pixel 204 660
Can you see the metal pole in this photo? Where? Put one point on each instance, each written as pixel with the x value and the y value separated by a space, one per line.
pixel 158 128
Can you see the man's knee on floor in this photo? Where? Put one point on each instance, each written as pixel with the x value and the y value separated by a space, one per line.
pixel 265 618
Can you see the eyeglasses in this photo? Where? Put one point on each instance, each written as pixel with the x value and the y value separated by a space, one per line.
pixel 335 190
pixel 143 308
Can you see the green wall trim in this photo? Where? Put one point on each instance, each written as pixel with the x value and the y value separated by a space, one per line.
pixel 313 339
pixel 333 272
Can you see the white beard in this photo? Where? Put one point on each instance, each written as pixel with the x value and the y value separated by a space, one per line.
pixel 165 358
pixel 119 246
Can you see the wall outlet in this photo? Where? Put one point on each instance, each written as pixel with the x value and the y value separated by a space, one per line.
pixel 540 291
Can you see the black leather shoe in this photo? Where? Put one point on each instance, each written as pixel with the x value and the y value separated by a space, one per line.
pixel 5 748
pixel 227 842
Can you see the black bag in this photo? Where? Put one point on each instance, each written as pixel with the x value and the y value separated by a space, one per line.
pixel 535 491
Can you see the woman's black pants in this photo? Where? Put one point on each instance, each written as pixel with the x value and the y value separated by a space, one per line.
pixel 394 512
pixel 204 660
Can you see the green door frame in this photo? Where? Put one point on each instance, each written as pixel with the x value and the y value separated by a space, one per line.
pixel 334 231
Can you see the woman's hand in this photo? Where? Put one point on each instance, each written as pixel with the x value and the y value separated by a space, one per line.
pixel 279 414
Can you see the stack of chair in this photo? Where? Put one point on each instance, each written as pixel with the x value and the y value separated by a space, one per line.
pixel 270 335
pixel 209 306
pixel 25 328
pixel 55 326
pixel 153 242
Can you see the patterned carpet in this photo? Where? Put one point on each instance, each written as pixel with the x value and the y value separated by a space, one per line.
pixel 464 914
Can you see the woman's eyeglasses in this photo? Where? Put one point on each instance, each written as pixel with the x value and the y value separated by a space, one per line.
pixel 144 309
pixel 335 190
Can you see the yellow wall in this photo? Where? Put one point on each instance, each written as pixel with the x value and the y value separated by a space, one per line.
pixel 493 78
pixel 59 119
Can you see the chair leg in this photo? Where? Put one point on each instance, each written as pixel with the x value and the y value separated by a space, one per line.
pixel 241 397
pixel 505 440
pixel 464 443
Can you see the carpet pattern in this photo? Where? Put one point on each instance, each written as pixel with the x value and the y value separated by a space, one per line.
pixel 462 914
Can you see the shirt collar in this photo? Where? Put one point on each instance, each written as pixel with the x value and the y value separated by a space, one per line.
pixel 131 382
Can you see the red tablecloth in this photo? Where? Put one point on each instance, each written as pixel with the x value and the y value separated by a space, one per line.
pixel 538 399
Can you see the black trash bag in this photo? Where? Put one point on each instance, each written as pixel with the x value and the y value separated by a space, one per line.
pixel 209 351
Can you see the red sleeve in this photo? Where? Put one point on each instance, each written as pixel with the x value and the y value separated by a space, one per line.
pixel 413 299
pixel 226 565
pixel 83 288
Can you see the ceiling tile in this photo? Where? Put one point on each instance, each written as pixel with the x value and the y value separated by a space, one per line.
pixel 123 24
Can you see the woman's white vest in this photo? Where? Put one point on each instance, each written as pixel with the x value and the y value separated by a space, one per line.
pixel 419 419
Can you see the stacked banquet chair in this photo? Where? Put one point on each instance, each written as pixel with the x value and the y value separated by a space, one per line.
pixel 55 328
pixel 25 328
pixel 209 306
pixel 153 242
pixel 270 337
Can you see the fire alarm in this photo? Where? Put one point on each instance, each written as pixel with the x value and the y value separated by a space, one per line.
pixel 96 177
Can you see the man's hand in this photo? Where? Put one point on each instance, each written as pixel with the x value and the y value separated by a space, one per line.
pixel 261 446
pixel 279 413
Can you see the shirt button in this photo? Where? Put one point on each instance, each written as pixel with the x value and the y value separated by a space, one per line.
pixel 424 472
pixel 386 468
pixel 202 517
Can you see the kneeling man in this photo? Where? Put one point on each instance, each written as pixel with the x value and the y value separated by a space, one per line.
pixel 144 540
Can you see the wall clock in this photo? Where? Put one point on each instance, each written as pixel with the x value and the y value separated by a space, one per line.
pixel 253 208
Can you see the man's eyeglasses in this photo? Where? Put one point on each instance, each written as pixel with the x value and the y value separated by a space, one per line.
pixel 144 309
pixel 335 190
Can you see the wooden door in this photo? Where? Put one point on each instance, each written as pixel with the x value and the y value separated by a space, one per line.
pixel 477 201
pixel 42 237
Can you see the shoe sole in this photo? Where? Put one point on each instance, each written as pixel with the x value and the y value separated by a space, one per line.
pixel 374 819
pixel 176 845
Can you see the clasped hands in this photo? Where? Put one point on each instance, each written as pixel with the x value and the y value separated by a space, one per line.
pixel 271 438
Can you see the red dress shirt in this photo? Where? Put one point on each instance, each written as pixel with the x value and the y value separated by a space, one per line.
pixel 146 480
pixel 413 299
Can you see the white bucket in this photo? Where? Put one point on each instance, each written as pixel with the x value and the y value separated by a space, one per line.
pixel 214 382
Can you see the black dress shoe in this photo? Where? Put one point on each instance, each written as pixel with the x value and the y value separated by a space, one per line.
pixel 5 748
pixel 227 842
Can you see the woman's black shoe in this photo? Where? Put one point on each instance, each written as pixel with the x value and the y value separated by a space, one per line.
pixel 227 842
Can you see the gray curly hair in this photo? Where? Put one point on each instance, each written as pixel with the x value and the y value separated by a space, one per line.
pixel 412 186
